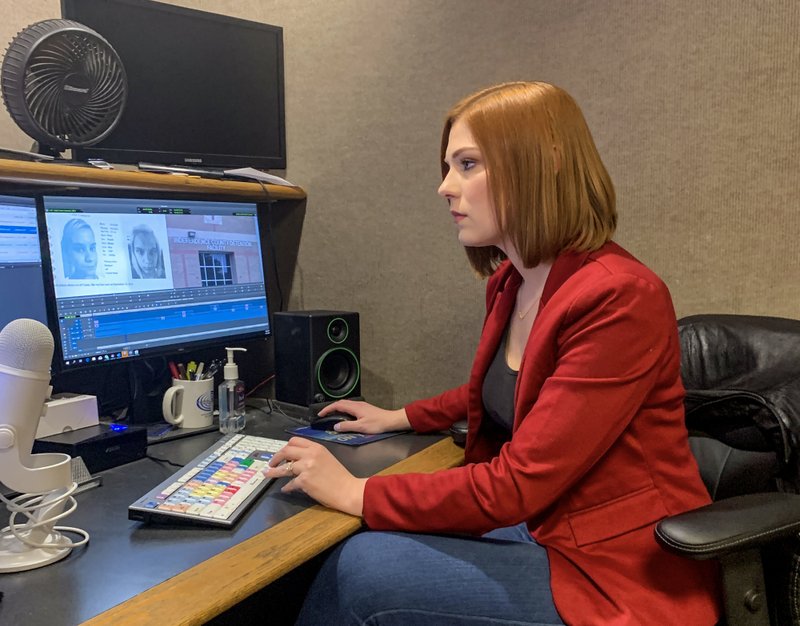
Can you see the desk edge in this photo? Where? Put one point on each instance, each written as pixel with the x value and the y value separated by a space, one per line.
pixel 199 594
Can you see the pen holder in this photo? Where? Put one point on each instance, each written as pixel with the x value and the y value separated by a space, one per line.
pixel 189 403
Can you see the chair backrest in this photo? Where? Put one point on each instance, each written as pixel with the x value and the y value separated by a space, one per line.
pixel 742 379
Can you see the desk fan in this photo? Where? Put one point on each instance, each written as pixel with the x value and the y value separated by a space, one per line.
pixel 63 84
pixel 44 480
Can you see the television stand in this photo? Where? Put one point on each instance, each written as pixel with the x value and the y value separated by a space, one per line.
pixel 206 172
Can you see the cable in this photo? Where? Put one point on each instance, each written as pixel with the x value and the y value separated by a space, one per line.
pixel 302 286
pixel 167 461
pixel 266 408
pixel 266 191
pixel 271 242
pixel 30 505
pixel 261 384
pixel 296 420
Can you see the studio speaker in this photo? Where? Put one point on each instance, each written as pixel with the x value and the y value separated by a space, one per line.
pixel 317 356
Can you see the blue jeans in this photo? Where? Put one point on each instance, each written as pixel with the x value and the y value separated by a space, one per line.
pixel 391 578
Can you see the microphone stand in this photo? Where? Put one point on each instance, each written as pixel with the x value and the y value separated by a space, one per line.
pixel 37 542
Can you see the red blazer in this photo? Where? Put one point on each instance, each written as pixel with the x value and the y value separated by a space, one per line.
pixel 599 451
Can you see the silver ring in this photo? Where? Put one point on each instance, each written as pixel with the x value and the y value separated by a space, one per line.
pixel 289 469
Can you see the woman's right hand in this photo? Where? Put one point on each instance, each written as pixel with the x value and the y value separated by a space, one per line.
pixel 369 419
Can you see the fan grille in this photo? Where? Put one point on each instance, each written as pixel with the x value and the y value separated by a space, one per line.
pixel 63 84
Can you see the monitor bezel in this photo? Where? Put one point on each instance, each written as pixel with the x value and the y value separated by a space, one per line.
pixel 206 159
pixel 268 266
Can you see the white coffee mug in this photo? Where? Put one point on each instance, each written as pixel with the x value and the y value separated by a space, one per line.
pixel 189 403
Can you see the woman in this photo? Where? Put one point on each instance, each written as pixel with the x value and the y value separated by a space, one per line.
pixel 576 444
pixel 147 260
pixel 79 250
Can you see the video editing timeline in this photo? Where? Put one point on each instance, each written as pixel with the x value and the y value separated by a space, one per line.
pixel 132 275
pixel 20 261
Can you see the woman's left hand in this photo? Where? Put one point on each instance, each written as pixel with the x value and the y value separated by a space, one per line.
pixel 318 474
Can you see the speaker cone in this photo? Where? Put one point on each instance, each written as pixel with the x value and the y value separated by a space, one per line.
pixel 338 372
pixel 338 330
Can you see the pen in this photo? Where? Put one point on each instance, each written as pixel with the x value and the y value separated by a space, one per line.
pixel 173 369
pixel 212 369
pixel 181 371
pixel 198 374
pixel 190 370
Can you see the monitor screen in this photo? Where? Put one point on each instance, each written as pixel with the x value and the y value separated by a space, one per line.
pixel 137 276
pixel 203 89
pixel 21 282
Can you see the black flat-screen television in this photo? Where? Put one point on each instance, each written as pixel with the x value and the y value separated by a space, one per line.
pixel 203 89
pixel 130 276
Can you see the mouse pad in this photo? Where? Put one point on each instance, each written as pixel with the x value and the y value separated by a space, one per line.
pixel 348 439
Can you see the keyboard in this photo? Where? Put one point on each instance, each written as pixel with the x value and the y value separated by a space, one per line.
pixel 215 488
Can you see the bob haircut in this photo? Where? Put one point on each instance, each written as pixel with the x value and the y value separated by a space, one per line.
pixel 550 190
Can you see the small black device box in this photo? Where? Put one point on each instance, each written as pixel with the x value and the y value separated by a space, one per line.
pixel 101 447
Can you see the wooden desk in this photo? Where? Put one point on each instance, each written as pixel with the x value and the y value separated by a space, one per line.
pixel 217 584
pixel 134 573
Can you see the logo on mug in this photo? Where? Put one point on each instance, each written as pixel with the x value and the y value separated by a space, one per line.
pixel 205 402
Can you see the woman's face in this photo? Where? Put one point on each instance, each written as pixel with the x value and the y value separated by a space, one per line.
pixel 145 249
pixel 466 189
pixel 83 253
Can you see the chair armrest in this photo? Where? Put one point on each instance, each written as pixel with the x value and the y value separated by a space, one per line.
pixel 731 525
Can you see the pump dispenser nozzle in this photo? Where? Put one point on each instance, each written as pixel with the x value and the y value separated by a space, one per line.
pixel 231 370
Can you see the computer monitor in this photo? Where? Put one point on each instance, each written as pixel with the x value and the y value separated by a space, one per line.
pixel 203 89
pixel 132 277
pixel 21 281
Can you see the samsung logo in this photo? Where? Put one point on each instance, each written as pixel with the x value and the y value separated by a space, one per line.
pixel 76 89
pixel 189 160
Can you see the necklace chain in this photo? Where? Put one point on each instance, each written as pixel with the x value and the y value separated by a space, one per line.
pixel 536 284
pixel 535 301
pixel 522 314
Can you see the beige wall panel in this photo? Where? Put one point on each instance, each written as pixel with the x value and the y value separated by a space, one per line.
pixel 14 16
pixel 694 107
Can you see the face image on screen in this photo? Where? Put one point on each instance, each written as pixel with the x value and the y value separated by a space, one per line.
pixel 146 253
pixel 139 276
pixel 21 282
pixel 78 250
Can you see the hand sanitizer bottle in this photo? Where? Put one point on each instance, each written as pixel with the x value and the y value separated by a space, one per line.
pixel 231 397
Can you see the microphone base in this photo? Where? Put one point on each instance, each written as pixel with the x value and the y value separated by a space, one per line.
pixel 15 556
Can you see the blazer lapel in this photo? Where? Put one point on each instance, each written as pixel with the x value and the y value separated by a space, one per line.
pixel 493 328
pixel 496 322
pixel 564 266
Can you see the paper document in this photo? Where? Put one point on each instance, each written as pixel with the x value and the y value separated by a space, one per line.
pixel 250 172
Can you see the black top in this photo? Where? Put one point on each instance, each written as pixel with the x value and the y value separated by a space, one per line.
pixel 498 388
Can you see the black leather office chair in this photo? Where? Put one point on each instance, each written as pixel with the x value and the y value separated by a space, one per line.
pixel 742 375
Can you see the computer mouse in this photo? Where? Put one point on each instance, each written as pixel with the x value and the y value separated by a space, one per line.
pixel 458 432
pixel 326 422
